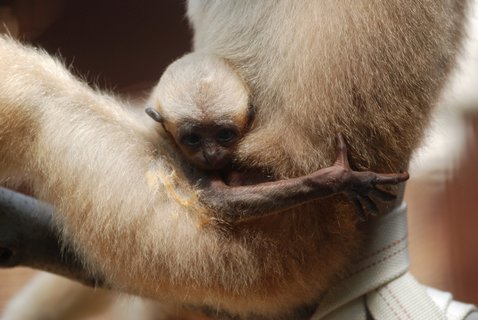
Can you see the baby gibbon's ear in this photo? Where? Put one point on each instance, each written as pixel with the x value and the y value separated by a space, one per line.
pixel 155 115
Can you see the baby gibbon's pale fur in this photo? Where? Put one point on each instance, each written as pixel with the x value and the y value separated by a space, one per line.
pixel 200 85
pixel 371 70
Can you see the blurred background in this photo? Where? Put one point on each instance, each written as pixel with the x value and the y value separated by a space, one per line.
pixel 124 46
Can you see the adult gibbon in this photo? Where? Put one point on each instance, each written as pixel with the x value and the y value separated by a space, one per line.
pixel 126 201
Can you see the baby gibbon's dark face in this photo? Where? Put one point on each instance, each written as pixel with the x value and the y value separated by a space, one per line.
pixel 209 146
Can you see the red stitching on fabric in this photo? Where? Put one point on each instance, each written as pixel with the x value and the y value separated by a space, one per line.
pixel 388 304
pixel 398 302
pixel 389 246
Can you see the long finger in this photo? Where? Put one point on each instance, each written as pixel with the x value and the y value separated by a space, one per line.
pixel 390 178
pixel 358 208
pixel 341 152
pixel 370 205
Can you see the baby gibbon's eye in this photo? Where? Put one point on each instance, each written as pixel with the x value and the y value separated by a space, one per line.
pixel 191 140
pixel 226 135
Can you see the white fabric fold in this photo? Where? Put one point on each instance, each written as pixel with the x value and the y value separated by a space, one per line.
pixel 381 286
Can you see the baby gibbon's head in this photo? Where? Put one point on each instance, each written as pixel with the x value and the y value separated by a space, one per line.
pixel 204 105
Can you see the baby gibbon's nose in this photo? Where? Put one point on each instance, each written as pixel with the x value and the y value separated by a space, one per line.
pixel 214 158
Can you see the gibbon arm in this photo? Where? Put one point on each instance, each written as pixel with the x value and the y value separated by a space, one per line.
pixel 252 201
pixel 84 154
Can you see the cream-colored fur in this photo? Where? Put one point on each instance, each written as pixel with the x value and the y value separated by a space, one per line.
pixel 369 70
pixel 315 68
pixel 200 86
